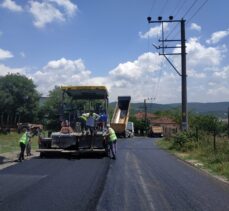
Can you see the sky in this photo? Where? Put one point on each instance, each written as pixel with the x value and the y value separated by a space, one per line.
pixel 110 43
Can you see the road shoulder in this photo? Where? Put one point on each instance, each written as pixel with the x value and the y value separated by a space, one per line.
pixel 10 158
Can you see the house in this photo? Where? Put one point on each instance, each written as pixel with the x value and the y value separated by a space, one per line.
pixel 168 124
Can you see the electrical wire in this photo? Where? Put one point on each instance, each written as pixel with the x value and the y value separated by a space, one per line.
pixel 156 88
pixel 153 5
pixel 187 11
pixel 177 12
pixel 193 4
pixel 163 7
pixel 177 9
pixel 194 14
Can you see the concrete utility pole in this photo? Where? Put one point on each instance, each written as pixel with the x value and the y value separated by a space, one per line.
pixel 163 47
pixel 184 78
pixel 145 110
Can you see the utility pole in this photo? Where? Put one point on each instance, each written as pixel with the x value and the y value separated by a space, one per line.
pixel 145 110
pixel 163 47
pixel 184 78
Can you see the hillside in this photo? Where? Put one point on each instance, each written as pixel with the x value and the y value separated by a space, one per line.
pixel 219 109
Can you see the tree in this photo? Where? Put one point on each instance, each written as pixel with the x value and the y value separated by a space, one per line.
pixel 209 124
pixel 51 109
pixel 139 125
pixel 19 99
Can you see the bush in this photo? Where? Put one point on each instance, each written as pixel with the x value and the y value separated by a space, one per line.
pixel 183 141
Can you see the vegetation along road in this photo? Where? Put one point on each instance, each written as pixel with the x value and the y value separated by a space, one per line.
pixel 143 177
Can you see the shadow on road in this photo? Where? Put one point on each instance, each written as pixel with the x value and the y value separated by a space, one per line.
pixel 55 155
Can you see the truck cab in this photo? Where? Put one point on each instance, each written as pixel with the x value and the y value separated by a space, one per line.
pixel 130 129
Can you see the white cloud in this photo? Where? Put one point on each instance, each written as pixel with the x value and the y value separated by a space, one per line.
pixel 11 5
pixel 5 54
pixel 4 70
pixel 217 36
pixel 50 11
pixel 196 27
pixel 199 54
pixel 153 31
pixel 149 75
pixel 196 74
pixel 68 5
pixel 44 13
pixel 222 74
pixel 61 72
pixel 146 63
pixel 22 54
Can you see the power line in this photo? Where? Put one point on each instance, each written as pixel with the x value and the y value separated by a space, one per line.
pixel 202 5
pixel 172 30
pixel 177 9
pixel 193 4
pixel 187 11
pixel 176 24
pixel 163 7
pixel 194 14
pixel 157 85
pixel 153 4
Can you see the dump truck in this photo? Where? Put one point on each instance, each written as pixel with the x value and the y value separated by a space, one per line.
pixel 156 131
pixel 121 116
pixel 77 101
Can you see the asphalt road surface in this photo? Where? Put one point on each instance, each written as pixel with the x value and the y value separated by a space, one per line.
pixel 142 178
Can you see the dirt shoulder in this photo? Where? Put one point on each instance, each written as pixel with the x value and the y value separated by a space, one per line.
pixel 10 158
pixel 199 165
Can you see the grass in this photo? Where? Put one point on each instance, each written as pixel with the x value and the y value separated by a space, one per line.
pixel 216 162
pixel 10 142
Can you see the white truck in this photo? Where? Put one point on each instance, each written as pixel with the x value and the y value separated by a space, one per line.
pixel 130 129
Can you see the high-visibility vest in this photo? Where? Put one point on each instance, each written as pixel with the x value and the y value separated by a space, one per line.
pixel 95 116
pixel 24 138
pixel 112 135
pixel 84 116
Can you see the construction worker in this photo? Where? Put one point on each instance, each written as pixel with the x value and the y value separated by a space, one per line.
pixel 66 128
pixel 83 120
pixel 23 142
pixel 103 120
pixel 91 122
pixel 112 142
pixel 28 145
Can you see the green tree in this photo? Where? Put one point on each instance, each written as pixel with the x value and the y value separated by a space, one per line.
pixel 139 125
pixel 210 124
pixel 19 99
pixel 51 109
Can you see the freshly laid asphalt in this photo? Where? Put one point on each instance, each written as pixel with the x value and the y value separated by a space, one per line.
pixel 143 177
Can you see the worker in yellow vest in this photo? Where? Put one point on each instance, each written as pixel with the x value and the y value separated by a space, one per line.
pixel 112 142
pixel 23 142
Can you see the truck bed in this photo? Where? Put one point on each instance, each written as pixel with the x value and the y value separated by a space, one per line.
pixel 121 115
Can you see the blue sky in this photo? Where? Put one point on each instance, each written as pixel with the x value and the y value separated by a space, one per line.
pixel 109 42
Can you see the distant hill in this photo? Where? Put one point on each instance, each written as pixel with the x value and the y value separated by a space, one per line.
pixel 219 109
